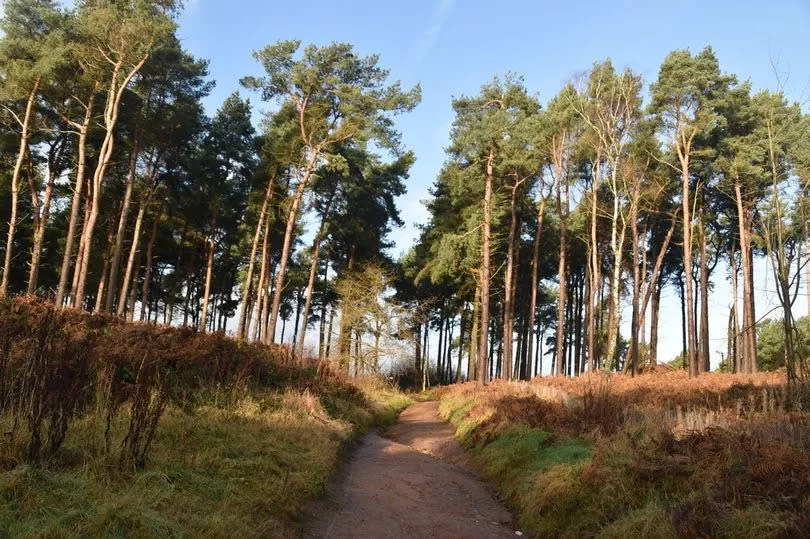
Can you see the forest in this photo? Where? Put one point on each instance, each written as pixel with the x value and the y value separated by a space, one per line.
pixel 250 251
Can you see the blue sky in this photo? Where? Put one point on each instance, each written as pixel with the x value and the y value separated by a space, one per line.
pixel 452 47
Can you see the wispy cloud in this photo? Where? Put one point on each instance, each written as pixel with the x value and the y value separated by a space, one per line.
pixel 433 30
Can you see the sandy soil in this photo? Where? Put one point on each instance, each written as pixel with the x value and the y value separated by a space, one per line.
pixel 415 482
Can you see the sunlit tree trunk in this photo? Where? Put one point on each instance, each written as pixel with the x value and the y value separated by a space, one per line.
pixel 248 282
pixel 485 269
pixel 134 247
pixel 691 350
pixel 40 224
pixel 594 262
pixel 122 226
pixel 509 286
pixel 104 269
pixel 748 330
pixel 292 218
pixel 562 213
pixel 704 365
pixel 209 271
pixel 313 272
pixel 115 94
pixel 261 293
pixel 25 125
pixel 535 270
pixel 76 202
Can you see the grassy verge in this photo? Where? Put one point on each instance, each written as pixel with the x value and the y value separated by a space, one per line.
pixel 239 470
pixel 607 459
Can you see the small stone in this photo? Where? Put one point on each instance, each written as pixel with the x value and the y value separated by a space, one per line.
pixel 518 533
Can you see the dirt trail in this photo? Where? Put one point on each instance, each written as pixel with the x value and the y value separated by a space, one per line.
pixel 415 482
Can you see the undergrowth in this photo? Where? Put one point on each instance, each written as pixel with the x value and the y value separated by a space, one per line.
pixel 241 470
pixel 239 437
pixel 609 457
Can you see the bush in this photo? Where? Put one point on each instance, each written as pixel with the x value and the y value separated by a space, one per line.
pixel 60 364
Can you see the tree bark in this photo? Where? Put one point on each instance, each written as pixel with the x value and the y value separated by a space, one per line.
pixel 485 269
pixel 748 331
pixel 15 186
pixel 75 205
pixel 261 293
pixel 691 351
pixel 134 247
pixel 562 213
pixel 111 110
pixel 40 223
pixel 112 287
pixel 594 261
pixel 472 355
pixel 104 270
pixel 147 276
pixel 704 365
pixel 268 196
pixel 634 322
pixel 313 272
pixel 292 217
pixel 209 271
pixel 535 270
pixel 509 287
pixel 656 302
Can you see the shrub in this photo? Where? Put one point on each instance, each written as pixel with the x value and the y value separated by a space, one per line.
pixel 60 364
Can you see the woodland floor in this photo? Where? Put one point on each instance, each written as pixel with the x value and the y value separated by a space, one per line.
pixel 414 482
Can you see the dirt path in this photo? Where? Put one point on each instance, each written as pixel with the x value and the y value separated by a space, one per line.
pixel 412 483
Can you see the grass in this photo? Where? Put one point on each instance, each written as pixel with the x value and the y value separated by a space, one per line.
pixel 654 456
pixel 241 470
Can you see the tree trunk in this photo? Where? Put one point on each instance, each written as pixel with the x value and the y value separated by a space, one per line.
pixel 535 269
pixel 705 365
pixel 328 351
pixel 617 248
pixel 485 271
pixel 472 355
pixel 112 287
pixel 562 213
pixel 15 186
pixel 41 223
pixel 634 322
pixel 594 261
pixel 248 282
pixel 209 271
pixel 292 217
pixel 75 205
pixel 147 276
pixel 460 344
pixel 656 302
pixel 133 249
pixel 313 271
pixel 748 331
pixel 298 299
pixel 509 287
pixel 261 293
pixel 440 351
pixel 691 350
pixel 104 270
pixel 323 312
pixel 732 359
pixel 111 110
pixel 578 348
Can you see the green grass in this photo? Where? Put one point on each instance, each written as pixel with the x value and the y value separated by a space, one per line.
pixel 245 470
